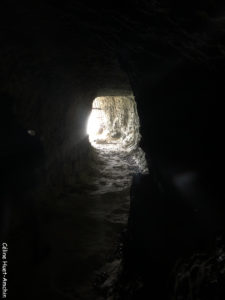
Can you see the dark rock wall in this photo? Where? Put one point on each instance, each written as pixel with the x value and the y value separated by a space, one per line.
pixel 179 98
pixel 53 78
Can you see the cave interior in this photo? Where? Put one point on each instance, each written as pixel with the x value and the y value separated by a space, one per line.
pixel 112 149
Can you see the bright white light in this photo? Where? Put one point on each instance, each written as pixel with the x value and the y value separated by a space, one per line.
pixel 93 125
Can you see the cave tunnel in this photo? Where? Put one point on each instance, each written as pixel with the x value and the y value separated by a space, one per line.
pixel 112 150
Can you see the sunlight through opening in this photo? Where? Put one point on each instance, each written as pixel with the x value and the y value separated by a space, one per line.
pixel 114 123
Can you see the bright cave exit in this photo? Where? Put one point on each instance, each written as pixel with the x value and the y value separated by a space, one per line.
pixel 113 123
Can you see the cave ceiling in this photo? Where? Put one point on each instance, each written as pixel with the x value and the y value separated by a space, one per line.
pixel 75 31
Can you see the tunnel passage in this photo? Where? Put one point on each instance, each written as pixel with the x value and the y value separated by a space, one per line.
pixel 113 129
pixel 114 123
pixel 54 59
pixel 81 226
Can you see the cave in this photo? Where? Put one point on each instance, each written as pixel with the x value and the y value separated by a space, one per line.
pixel 112 151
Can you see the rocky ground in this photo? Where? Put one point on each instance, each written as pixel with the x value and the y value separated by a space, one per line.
pixel 79 232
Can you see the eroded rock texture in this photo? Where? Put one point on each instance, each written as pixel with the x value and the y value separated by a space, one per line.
pixel 118 122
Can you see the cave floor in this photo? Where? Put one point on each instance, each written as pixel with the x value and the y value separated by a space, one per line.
pixel 79 233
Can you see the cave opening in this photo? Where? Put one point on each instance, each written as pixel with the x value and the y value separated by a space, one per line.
pixel 113 123
pixel 113 131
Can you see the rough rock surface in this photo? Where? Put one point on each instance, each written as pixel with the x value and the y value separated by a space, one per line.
pixel 119 122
